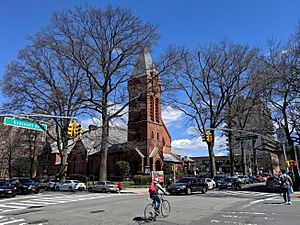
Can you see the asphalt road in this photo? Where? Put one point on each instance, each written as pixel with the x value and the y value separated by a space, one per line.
pixel 244 207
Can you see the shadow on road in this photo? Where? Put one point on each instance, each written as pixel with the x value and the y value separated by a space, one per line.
pixel 260 187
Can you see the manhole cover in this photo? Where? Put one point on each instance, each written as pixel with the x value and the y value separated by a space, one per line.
pixel 97 211
pixel 38 221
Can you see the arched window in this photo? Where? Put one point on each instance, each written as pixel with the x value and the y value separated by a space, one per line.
pixel 157 110
pixel 151 108
pixel 157 136
pixel 152 135
pixel 163 141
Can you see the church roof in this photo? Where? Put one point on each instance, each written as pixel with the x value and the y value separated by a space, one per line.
pixel 92 140
pixel 171 157
pixel 144 64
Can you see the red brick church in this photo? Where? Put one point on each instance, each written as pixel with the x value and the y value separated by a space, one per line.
pixel 145 143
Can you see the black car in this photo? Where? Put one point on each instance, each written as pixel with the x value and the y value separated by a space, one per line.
pixel 24 185
pixel 273 184
pixel 188 185
pixel 218 179
pixel 7 190
pixel 230 182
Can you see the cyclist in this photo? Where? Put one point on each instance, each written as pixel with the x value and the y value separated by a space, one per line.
pixel 153 191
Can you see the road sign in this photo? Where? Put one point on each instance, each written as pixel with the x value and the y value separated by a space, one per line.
pixel 24 124
pixel 249 137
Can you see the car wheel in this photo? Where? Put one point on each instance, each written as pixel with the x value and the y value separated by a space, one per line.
pixel 90 189
pixel 103 190
pixel 71 189
pixel 57 188
pixel 80 189
pixel 204 190
pixel 188 191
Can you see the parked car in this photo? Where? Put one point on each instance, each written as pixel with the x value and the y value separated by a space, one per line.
pixel 252 179
pixel 273 184
pixel 188 185
pixel 103 186
pixel 7 190
pixel 211 183
pixel 259 179
pixel 218 179
pixel 70 185
pixel 24 185
pixel 48 184
pixel 230 182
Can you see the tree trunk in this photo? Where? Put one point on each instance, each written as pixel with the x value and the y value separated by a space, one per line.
pixel 243 158
pixel 104 143
pixel 231 153
pixel 254 158
pixel 212 160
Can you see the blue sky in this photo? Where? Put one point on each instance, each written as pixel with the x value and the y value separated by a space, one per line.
pixel 186 23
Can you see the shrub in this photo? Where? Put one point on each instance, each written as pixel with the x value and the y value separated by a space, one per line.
pixel 141 179
pixel 122 168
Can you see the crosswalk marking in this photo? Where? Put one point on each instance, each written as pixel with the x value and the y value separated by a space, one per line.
pixel 12 221
pixel 44 200
pixel 251 194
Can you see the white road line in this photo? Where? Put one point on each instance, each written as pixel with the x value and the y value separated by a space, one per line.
pixel 38 202
pixel 13 221
pixel 9 206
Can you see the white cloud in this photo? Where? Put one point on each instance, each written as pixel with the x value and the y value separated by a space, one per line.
pixel 171 115
pixel 195 146
pixel 90 121
pixel 189 144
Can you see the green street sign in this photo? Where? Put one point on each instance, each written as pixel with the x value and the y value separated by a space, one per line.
pixel 24 124
pixel 243 138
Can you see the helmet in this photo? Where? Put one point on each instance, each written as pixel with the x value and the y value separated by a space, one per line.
pixel 156 180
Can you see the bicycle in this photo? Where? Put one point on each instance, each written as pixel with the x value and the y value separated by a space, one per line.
pixel 165 209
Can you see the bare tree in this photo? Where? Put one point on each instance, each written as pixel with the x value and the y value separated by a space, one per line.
pixel 43 81
pixel 11 147
pixel 205 82
pixel 104 44
pixel 281 92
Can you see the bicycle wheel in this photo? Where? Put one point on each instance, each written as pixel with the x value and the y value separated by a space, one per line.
pixel 165 208
pixel 149 212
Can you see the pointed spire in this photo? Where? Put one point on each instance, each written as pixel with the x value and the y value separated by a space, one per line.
pixel 144 64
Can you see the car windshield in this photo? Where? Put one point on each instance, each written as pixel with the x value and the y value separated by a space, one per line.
pixel 76 181
pixel 184 180
pixel 23 181
pixel 228 179
pixel 218 177
pixel 3 183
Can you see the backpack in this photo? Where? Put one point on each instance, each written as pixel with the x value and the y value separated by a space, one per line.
pixel 152 189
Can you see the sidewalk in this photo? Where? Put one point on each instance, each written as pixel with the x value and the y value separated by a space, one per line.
pixel 296 194
pixel 142 191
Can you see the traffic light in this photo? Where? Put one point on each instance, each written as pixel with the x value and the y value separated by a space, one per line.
pixel 78 131
pixel 209 137
pixel 71 129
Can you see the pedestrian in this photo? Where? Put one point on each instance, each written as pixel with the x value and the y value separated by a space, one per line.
pixel 120 187
pixel 286 187
pixel 169 182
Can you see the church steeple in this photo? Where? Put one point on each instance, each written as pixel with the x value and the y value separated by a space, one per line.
pixel 144 65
